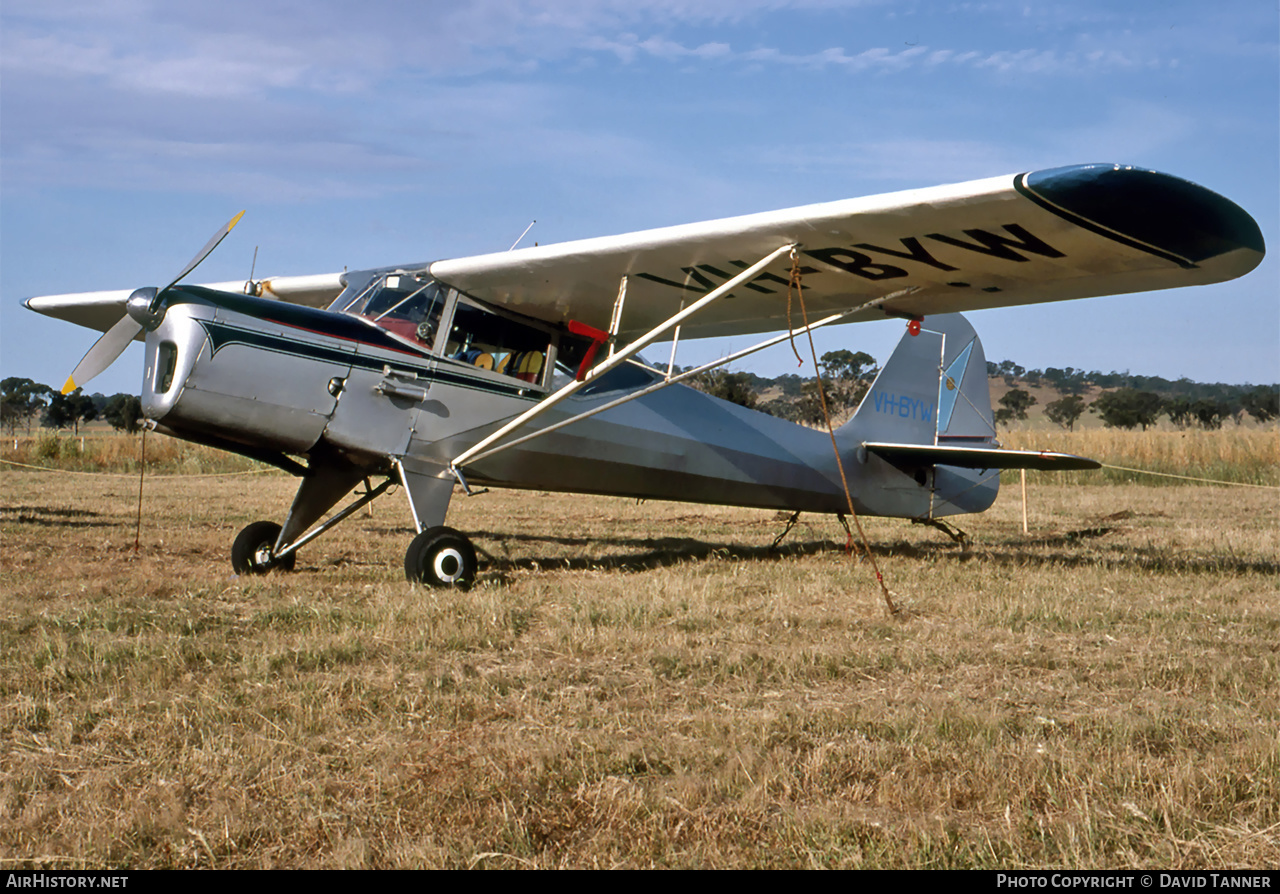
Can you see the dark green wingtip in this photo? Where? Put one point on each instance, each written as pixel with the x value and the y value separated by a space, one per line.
pixel 1166 215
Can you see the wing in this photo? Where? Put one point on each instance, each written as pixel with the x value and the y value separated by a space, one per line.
pixel 102 310
pixel 1051 235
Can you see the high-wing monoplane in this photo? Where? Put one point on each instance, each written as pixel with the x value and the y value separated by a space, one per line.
pixel 522 369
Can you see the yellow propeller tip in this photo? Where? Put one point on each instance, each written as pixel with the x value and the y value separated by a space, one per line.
pixel 235 220
pixel 70 386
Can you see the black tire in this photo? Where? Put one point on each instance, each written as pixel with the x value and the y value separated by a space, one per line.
pixel 251 551
pixel 441 557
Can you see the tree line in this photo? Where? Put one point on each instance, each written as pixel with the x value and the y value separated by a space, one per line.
pixel 23 402
pixel 1130 408
pixel 1070 380
pixel 1132 401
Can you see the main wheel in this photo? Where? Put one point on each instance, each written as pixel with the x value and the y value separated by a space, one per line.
pixel 441 557
pixel 251 553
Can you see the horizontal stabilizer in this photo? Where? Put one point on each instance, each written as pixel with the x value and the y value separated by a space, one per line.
pixel 922 455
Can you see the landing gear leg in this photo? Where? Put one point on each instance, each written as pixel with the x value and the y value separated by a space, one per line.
pixel 264 546
pixel 441 557
pixel 951 531
pixel 253 550
pixel 791 523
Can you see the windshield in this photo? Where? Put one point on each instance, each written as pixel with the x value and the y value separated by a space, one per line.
pixel 407 304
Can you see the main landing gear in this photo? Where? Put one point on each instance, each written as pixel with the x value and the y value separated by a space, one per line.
pixel 253 550
pixel 441 557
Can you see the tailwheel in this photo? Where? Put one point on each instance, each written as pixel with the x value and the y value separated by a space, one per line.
pixel 251 553
pixel 441 557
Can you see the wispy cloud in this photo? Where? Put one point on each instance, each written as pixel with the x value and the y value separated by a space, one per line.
pixel 629 47
pixel 342 98
pixel 252 48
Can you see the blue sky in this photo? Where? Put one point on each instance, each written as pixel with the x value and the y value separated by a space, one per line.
pixel 383 132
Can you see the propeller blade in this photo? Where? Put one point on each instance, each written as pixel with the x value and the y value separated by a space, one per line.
pixel 103 353
pixel 204 252
pixel 106 349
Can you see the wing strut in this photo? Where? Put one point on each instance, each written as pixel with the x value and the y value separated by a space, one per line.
pixel 616 322
pixel 671 380
pixel 621 356
pixel 675 343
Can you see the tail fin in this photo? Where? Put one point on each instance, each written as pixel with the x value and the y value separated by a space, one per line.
pixel 930 402
pixel 932 390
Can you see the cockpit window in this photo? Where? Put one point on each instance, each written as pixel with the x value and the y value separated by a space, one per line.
pixel 634 374
pixel 572 351
pixel 408 305
pixel 489 341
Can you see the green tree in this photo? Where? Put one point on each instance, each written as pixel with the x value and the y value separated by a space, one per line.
pixel 848 365
pixel 1010 371
pixel 69 410
pixel 847 377
pixel 1178 409
pixel 808 407
pixel 730 386
pixel 1262 403
pixel 1014 405
pixel 1068 381
pixel 1210 413
pixel 21 401
pixel 124 412
pixel 1128 408
pixel 1066 411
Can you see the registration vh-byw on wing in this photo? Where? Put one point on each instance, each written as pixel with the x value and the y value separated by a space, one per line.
pixel 522 369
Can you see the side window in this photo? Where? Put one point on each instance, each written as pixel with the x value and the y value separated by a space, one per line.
pixel 488 341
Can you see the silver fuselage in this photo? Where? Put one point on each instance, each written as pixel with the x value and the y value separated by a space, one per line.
pixel 262 376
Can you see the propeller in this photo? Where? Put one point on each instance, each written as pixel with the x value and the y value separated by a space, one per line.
pixel 144 310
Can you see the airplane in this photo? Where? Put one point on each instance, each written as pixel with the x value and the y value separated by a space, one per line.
pixel 522 369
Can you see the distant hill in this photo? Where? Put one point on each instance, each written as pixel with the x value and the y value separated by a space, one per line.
pixel 1182 403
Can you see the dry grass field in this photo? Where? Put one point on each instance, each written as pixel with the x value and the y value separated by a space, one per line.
pixel 1234 454
pixel 639 685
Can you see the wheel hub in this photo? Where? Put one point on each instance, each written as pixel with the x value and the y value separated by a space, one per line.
pixel 448 564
